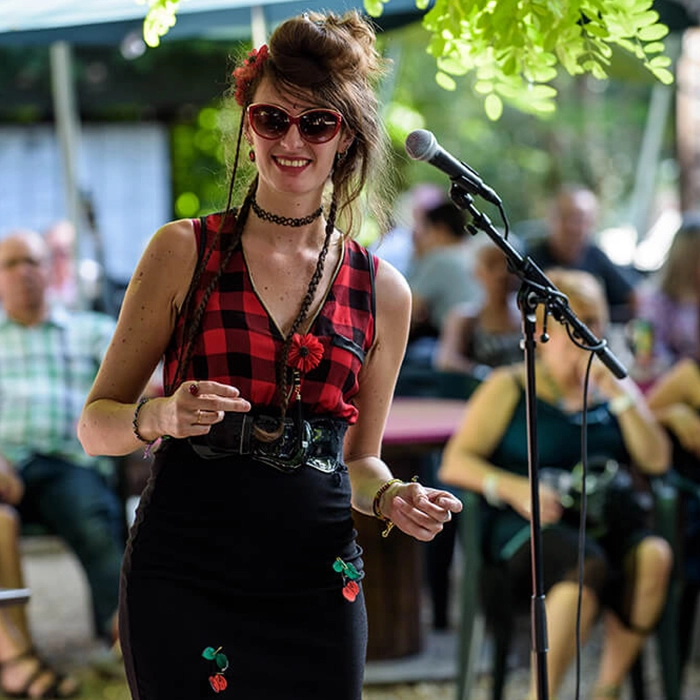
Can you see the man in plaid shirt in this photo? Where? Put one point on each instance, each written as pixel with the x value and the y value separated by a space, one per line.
pixel 48 360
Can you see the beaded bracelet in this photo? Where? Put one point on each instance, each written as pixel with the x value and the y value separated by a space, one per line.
pixel 375 503
pixel 135 420
pixel 620 404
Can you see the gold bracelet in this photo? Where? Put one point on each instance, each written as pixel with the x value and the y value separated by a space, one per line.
pixel 375 503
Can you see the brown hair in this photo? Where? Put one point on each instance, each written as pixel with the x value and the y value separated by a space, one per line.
pixel 583 291
pixel 681 270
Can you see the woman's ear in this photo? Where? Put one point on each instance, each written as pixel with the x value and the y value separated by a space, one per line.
pixel 345 141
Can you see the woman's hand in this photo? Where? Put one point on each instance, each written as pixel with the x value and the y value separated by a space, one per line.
pixel 192 409
pixel 518 497
pixel 417 510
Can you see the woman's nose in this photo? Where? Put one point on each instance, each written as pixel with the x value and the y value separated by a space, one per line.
pixel 293 137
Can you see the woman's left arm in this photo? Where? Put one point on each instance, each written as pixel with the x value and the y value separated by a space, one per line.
pixel 645 439
pixel 416 510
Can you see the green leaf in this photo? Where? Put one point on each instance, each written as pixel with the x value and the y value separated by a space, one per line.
pixel 653 33
pixel 662 75
pixel 374 8
pixel 646 18
pixel 493 106
pixel 660 62
pixel 483 87
pixel 453 66
pixel 655 47
pixel 445 82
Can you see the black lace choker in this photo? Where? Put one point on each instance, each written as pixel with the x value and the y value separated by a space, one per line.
pixel 285 220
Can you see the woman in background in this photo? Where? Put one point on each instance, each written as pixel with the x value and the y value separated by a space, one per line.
pixel 626 567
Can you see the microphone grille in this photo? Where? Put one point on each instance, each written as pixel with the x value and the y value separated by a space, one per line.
pixel 421 144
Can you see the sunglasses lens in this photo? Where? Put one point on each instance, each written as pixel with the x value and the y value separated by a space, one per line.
pixel 269 122
pixel 319 125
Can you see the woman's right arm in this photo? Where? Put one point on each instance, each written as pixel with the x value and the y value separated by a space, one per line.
pixel 147 318
pixel 465 458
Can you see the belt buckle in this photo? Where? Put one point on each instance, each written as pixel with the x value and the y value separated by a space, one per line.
pixel 275 454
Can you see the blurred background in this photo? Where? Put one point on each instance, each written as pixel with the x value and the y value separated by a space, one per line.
pixel 118 138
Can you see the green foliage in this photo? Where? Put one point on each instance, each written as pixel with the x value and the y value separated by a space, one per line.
pixel 513 48
pixel 161 17
pixel 525 157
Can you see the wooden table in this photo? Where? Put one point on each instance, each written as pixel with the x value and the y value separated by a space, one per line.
pixel 394 566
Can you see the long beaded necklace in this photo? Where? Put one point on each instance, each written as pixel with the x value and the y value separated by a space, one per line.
pixel 284 220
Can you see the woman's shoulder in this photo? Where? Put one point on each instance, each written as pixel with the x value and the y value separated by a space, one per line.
pixel 505 380
pixel 175 234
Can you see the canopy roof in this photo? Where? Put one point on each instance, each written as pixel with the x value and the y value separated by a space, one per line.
pixel 26 22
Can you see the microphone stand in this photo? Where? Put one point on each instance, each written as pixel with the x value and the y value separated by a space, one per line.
pixel 535 289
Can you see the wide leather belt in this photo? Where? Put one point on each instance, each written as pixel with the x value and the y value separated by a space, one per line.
pixel 314 442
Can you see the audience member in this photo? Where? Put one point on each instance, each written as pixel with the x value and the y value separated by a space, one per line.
pixel 440 277
pixel 478 336
pixel 569 244
pixel 396 245
pixel 675 400
pixel 63 287
pixel 626 566
pixel 667 326
pixel 49 357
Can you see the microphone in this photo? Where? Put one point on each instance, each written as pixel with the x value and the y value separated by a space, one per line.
pixel 422 145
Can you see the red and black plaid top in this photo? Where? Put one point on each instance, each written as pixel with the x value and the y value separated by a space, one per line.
pixel 238 341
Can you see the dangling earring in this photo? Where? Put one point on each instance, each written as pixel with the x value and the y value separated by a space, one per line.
pixel 340 156
pixel 251 155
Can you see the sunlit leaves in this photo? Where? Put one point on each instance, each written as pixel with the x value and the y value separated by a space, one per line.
pixel 161 17
pixel 513 48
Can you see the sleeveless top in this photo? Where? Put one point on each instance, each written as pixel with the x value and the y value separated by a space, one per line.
pixel 493 349
pixel 559 446
pixel 238 341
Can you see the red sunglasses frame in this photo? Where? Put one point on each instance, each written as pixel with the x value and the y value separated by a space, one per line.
pixel 293 120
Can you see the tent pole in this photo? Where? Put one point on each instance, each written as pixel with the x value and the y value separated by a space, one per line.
pixel 67 127
pixel 258 28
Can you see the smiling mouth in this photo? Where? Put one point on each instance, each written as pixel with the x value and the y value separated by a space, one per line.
pixel 292 162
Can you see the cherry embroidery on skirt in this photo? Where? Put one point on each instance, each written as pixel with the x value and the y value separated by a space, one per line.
pixel 350 575
pixel 217 680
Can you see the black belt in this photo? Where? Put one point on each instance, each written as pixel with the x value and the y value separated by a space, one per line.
pixel 314 442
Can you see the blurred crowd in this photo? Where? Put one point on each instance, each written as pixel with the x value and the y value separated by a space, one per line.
pixel 466 320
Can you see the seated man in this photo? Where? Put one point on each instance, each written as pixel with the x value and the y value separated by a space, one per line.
pixel 570 244
pixel 48 361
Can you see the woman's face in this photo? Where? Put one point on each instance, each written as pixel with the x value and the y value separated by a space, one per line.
pixel 492 272
pixel 291 163
pixel 560 349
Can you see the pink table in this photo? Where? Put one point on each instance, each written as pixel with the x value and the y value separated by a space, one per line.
pixel 421 423
pixel 394 566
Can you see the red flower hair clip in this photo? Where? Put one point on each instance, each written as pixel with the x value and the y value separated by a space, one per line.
pixel 248 71
pixel 305 352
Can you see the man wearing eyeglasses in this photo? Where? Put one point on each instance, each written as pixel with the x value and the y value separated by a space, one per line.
pixel 48 360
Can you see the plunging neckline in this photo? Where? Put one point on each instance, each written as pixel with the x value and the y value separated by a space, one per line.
pixel 310 321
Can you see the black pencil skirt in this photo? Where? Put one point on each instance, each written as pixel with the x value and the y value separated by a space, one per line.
pixel 231 586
